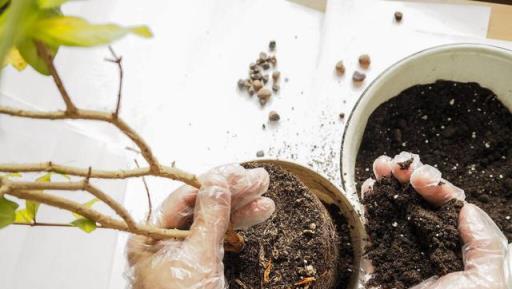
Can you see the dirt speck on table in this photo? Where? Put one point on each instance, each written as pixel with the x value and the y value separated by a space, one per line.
pixel 358 76
pixel 340 67
pixel 398 16
pixel 364 60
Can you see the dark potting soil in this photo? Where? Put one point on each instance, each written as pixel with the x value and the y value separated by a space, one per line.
pixel 461 128
pixel 298 244
pixel 410 240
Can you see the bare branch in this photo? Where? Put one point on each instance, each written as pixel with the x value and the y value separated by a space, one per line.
pixel 103 220
pixel 118 60
pixel 33 190
pixel 42 224
pixel 150 204
pixel 75 186
pixel 44 53
pixel 163 172
pixel 82 114
pixel 118 208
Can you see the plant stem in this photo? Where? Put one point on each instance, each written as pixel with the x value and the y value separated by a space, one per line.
pixel 155 168
pixel 74 186
pixel 44 53
pixel 163 172
pixel 150 204
pixel 103 220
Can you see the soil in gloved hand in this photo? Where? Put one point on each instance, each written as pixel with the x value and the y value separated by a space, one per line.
pixel 301 246
pixel 411 241
pixel 461 128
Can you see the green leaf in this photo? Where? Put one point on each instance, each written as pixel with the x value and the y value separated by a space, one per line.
pixel 88 204
pixel 46 4
pixel 28 50
pixel 32 208
pixel 15 21
pixel 28 214
pixel 23 216
pixel 15 59
pixel 7 212
pixel 3 3
pixel 74 31
pixel 84 224
pixel 46 178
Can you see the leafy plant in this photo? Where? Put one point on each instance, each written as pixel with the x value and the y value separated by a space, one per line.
pixel 7 212
pixel 40 22
pixel 31 33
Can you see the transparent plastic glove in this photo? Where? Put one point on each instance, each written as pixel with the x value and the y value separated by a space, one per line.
pixel 248 206
pixel 196 262
pixel 487 257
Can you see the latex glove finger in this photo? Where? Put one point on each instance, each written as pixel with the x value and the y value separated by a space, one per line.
pixel 136 249
pixel 382 167
pixel 508 266
pixel 177 209
pixel 366 264
pixel 404 164
pixel 211 219
pixel 159 268
pixel 367 187
pixel 426 284
pixel 246 185
pixel 253 213
pixel 485 248
pixel 428 182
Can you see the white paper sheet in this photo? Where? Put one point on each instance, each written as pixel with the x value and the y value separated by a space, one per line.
pixel 180 87
pixel 49 258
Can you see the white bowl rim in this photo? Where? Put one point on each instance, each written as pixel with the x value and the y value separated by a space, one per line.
pixel 427 51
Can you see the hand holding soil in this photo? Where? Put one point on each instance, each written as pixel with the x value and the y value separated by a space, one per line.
pixel 227 193
pixel 421 242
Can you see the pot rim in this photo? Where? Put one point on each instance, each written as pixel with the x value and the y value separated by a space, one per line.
pixel 421 53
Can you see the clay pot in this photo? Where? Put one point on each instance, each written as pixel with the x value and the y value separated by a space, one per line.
pixel 329 194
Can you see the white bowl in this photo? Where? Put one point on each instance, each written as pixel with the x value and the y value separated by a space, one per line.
pixel 489 66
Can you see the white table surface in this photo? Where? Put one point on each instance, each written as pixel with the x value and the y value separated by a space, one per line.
pixel 180 91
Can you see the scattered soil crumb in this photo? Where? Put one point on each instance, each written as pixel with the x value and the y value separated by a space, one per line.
pixel 274 116
pixel 364 60
pixel 405 164
pixel 259 76
pixel 272 45
pixel 398 16
pixel 358 76
pixel 340 67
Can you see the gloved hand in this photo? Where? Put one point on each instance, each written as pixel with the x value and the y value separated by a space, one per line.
pixel 487 256
pixel 227 193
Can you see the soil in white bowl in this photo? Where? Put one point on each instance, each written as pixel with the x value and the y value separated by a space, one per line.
pixel 460 128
